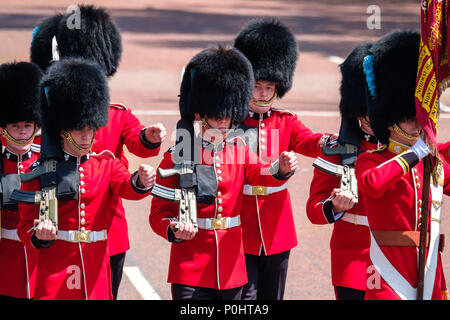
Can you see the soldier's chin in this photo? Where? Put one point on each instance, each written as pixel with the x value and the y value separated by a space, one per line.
pixel 259 109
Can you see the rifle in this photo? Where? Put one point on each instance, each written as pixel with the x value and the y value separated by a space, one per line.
pixel 185 196
pixel 46 171
pixel 346 146
pixel 345 172
pixel 185 157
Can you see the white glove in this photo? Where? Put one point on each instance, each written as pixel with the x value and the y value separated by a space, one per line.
pixel 421 149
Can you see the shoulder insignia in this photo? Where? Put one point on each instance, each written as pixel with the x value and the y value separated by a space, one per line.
pixel 284 111
pixel 104 153
pixel 38 133
pixel 380 148
pixel 118 106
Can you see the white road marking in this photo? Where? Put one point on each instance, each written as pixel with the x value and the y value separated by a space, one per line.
pixel 336 59
pixel 141 284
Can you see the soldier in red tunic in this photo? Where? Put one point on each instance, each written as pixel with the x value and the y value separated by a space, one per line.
pixel 73 261
pixel 19 122
pixel 328 203
pixel 216 89
pixel 391 179
pixel 99 39
pixel 267 216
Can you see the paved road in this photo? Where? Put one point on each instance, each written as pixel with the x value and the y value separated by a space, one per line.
pixel 159 38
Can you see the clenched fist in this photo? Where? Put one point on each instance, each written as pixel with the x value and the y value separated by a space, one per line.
pixel 155 133
pixel 184 232
pixel 342 200
pixel 45 230
pixel 288 163
pixel 147 176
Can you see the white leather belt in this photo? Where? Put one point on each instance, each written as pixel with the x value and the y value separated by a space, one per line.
pixel 10 234
pixel 250 190
pixel 219 222
pixel 82 236
pixel 355 219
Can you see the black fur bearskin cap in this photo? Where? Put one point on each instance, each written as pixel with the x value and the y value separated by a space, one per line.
pixel 272 51
pixel 20 94
pixel 97 38
pixel 75 95
pixel 353 102
pixel 218 82
pixel 395 59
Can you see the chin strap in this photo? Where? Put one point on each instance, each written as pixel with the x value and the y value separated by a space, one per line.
pixel 10 138
pixel 265 104
pixel 404 134
pixel 73 143
pixel 207 126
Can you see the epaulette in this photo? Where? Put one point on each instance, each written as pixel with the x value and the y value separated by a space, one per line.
pixel 38 133
pixel 118 106
pixel 284 111
pixel 104 153
pixel 36 147
pixel 380 148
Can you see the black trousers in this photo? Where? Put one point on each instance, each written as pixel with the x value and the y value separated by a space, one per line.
pixel 344 293
pixel 184 292
pixel 117 261
pixel 266 276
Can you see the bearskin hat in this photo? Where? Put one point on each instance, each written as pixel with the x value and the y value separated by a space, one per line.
pixel 75 95
pixel 217 82
pixel 353 102
pixel 19 90
pixel 272 51
pixel 96 38
pixel 391 90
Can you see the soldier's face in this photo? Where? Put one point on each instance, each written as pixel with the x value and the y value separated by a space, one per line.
pixel 411 127
pixel 222 124
pixel 21 131
pixel 83 138
pixel 262 93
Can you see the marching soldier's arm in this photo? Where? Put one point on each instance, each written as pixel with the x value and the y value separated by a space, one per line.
pixel 303 140
pixel 262 174
pixel 319 207
pixel 133 135
pixel 27 214
pixel 162 211
pixel 124 184
pixel 375 178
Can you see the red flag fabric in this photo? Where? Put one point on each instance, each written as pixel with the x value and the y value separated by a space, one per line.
pixel 433 75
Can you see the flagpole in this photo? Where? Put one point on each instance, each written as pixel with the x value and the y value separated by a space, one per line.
pixel 424 225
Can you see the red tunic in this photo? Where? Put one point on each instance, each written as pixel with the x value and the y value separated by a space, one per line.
pixel 393 201
pixel 214 258
pixel 79 270
pixel 349 243
pixel 16 262
pixel 268 222
pixel 123 128
pixel 444 150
